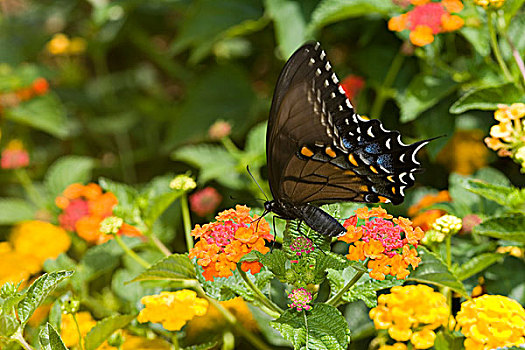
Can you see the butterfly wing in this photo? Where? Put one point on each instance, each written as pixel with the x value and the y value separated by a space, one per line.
pixel 320 150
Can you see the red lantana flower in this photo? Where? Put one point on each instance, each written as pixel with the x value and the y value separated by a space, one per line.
pixel 205 201
pixel 14 156
pixel 224 242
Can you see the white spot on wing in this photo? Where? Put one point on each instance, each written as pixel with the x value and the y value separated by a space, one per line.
pixel 349 104
pixel 347 122
pixel 402 190
pixel 318 72
pixel 402 158
pixel 361 118
pixel 369 132
pixel 399 140
pixel 312 61
pixel 416 150
pixel 327 66
pixel 323 55
pixel 326 83
pixel 401 176
pixel 340 107
pixel 341 90
pixel 411 176
pixel 387 143
pixel 334 79
pixel 333 95
pixel 317 45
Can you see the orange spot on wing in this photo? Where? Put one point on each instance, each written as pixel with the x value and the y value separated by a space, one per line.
pixel 364 188
pixel 390 178
pixel 393 190
pixel 330 152
pixel 352 160
pixel 305 151
pixel 374 170
pixel 348 172
pixel 383 199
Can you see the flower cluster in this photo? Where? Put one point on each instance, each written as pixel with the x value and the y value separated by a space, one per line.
pixel 205 201
pixel 508 137
pixel 60 44
pixel 301 299
pixel 390 246
pixel 301 245
pixel 30 244
pixel 352 85
pixel 83 210
pixel 495 4
pixel 447 224
pixel 224 242
pixel 68 328
pixel 423 217
pixel 464 153
pixel 172 309
pixel 182 183
pixel 411 313
pixel 491 321
pixel 38 87
pixel 14 156
pixel 427 19
pixel 219 130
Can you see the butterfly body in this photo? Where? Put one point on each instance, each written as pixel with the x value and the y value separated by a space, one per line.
pixel 319 150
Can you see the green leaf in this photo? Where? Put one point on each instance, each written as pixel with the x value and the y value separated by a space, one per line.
pixel 203 346
pixel 256 145
pixel 423 92
pixel 67 170
pixel 477 264
pixel 275 261
pixel 509 227
pixel 104 328
pixel 449 341
pixel 324 328
pixel 478 38
pixel 510 8
pixel 49 339
pixel 290 26
pixel 126 196
pixel 158 205
pixel 175 267
pixel 214 163
pixel 335 262
pixel 433 271
pixel 45 113
pixel 488 98
pixel 229 95
pixel 15 210
pixel 38 292
pixel 504 195
pixel 330 11
pixel 8 325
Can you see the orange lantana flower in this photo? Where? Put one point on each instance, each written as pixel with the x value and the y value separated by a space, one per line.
pixel 224 242
pixel 387 244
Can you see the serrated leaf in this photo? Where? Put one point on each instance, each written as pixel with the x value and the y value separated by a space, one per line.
pixel 67 170
pixel 433 271
pixel 332 261
pixel 37 293
pixel 15 210
pixel 214 163
pixel 275 261
pixel 126 196
pixel 478 38
pixel 324 328
pixel 45 113
pixel 449 341
pixel 488 98
pixel 509 227
pixel 158 205
pixel 477 264
pixel 175 267
pixel 423 92
pixel 104 328
pixel 8 325
pixel 287 14
pixel 49 339
pixel 497 193
pixel 330 11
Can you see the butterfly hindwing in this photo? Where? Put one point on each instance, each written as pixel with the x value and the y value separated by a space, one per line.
pixel 320 150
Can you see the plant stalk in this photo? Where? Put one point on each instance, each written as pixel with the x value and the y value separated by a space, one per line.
pixel 158 243
pixel 27 184
pixel 80 343
pixel 276 310
pixel 186 220
pixel 130 252
pixel 495 46
pixel 20 339
pixel 335 300
pixel 382 91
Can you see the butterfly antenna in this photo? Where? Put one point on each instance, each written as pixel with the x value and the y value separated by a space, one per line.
pixel 249 172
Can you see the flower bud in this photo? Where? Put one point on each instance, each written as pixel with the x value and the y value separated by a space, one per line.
pixel 447 224
pixel 182 182
pixel 111 225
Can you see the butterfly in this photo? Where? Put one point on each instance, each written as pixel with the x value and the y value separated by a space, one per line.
pixel 319 150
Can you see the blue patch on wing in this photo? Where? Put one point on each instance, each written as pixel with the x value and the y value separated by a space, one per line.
pixel 373 148
pixel 385 160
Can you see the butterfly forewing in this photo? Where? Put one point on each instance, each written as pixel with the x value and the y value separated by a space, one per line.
pixel 320 150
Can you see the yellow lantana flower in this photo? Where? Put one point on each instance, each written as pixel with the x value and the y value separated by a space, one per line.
pixel 411 313
pixel 14 266
pixel 491 321
pixel 172 309
pixel 40 239
pixel 68 328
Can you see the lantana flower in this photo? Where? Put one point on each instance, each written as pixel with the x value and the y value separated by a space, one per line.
pixel 352 85
pixel 224 242
pixel 68 327
pixel 491 321
pixel 508 137
pixel 205 201
pixel 61 44
pixel 219 130
pixel 495 4
pixel 422 216
pixel 172 309
pixel 411 313
pixel 301 299
pixel 84 208
pixel 427 19
pixel 14 156
pixel 389 245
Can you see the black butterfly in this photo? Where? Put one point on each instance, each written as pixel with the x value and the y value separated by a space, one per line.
pixel 319 150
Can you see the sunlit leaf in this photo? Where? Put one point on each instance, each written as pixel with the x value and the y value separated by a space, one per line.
pixel 104 328
pixel 68 170
pixel 49 339
pixel 509 227
pixel 15 210
pixel 174 267
pixel 488 98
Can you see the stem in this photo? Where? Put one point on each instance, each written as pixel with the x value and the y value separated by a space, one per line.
pixel 228 341
pixel 157 242
pixel 306 326
pixel 334 301
pixel 382 91
pixel 276 310
pixel 495 47
pixel 449 252
pixel 175 342
pixel 516 55
pixel 20 339
pixel 78 331
pixel 231 147
pixel 186 220
pixel 446 291
pixel 230 318
pixel 27 184
pixel 130 252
